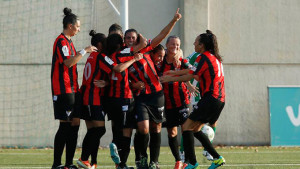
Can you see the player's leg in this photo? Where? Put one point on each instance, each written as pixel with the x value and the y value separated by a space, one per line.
pixel 143 132
pixel 99 131
pixel 83 161
pixel 113 108
pixel 173 144
pixel 71 141
pixel 154 145
pixel 129 123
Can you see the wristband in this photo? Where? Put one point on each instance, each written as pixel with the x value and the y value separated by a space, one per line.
pixel 82 52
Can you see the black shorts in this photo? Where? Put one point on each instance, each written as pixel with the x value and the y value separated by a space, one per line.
pixel 120 110
pixel 150 107
pixel 66 106
pixel 93 112
pixel 176 116
pixel 207 110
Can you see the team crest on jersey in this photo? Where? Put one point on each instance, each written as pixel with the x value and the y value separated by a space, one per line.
pixel 65 50
pixel 108 60
pixel 126 50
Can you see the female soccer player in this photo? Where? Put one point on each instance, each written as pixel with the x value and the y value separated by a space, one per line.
pixel 176 96
pixel 92 110
pixel 209 72
pixel 119 102
pixel 149 102
pixel 65 89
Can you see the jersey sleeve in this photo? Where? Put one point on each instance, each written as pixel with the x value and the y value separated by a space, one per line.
pixel 199 67
pixel 124 55
pixel 185 64
pixel 62 49
pixel 105 63
pixel 147 48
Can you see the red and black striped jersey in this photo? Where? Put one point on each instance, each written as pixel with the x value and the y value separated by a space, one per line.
pixel 119 82
pixel 97 67
pixel 144 70
pixel 176 93
pixel 208 70
pixel 63 79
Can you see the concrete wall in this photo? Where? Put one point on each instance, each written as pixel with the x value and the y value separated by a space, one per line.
pixel 258 39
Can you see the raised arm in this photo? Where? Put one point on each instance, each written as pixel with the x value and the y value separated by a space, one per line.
pixel 166 30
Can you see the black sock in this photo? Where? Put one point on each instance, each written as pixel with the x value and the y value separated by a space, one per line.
pixel 98 133
pixel 87 144
pixel 125 150
pixel 144 140
pixel 59 142
pixel 206 144
pixel 117 132
pixel 189 149
pixel 136 145
pixel 71 144
pixel 154 146
pixel 173 143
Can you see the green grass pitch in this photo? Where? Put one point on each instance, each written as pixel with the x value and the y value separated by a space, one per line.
pixel 236 157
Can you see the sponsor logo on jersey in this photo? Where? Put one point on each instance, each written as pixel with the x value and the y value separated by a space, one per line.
pixel 108 60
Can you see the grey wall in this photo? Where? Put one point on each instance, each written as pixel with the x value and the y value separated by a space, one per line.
pixel 258 39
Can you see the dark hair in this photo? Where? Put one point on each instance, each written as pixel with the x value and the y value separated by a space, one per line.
pixel 115 27
pixel 171 37
pixel 69 17
pixel 133 30
pixel 209 40
pixel 98 37
pixel 130 30
pixel 159 47
pixel 114 42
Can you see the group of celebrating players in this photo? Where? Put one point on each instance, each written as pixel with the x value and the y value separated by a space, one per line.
pixel 139 85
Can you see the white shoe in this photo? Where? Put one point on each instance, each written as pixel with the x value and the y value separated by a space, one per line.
pixel 207 155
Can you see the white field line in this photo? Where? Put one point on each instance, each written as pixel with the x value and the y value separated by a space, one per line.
pixel 226 165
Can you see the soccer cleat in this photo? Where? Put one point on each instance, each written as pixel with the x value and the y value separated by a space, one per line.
pixel 58 167
pixel 84 164
pixel 143 163
pixel 71 167
pixel 94 166
pixel 114 153
pixel 207 155
pixel 190 166
pixel 178 165
pixel 217 163
pixel 153 165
